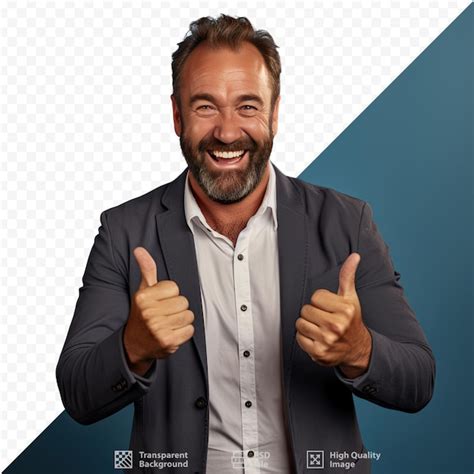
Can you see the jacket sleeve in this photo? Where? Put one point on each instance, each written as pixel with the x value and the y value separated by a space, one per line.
pixel 92 373
pixel 401 370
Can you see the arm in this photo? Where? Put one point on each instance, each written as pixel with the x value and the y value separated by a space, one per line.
pixel 401 370
pixel 93 374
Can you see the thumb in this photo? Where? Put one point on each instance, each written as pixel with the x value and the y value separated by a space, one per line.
pixel 147 267
pixel 347 275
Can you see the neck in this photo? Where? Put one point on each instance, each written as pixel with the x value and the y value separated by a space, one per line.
pixel 230 219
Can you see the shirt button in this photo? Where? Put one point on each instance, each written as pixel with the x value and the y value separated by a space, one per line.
pixel 248 403
pixel 246 353
pixel 201 402
pixel 250 454
pixel 243 307
pixel 240 256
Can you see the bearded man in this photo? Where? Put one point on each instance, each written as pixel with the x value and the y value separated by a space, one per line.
pixel 240 309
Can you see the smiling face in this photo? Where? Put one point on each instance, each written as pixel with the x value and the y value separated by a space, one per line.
pixel 225 122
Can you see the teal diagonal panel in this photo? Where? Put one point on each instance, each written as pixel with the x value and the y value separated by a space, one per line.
pixel 66 447
pixel 410 155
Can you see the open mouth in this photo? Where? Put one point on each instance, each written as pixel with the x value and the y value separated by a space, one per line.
pixel 227 158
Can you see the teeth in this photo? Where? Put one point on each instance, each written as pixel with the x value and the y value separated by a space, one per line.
pixel 228 154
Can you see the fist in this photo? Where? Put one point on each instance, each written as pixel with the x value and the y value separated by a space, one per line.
pixel 160 320
pixel 330 329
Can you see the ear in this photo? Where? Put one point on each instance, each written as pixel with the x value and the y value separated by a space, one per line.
pixel 176 116
pixel 275 115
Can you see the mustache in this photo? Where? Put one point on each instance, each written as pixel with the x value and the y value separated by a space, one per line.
pixel 216 145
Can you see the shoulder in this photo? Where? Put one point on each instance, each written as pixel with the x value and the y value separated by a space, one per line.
pixel 145 206
pixel 139 205
pixel 323 201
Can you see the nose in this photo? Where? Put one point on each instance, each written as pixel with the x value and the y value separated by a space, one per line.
pixel 227 128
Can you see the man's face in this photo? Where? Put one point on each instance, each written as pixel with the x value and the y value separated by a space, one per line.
pixel 226 125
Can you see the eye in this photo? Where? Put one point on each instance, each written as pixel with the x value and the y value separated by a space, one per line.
pixel 248 110
pixel 205 110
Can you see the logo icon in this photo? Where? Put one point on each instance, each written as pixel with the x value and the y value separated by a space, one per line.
pixel 123 459
pixel 315 459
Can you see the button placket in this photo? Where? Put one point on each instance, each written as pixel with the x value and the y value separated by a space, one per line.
pixel 246 347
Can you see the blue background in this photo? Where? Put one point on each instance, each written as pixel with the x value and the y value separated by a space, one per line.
pixel 409 154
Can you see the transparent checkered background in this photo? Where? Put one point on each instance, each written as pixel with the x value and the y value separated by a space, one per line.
pixel 85 124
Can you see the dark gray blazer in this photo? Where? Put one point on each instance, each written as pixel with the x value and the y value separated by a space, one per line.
pixel 317 229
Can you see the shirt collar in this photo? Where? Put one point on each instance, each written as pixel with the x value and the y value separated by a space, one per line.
pixel 192 210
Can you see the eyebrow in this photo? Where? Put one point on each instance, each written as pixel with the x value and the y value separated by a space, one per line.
pixel 240 98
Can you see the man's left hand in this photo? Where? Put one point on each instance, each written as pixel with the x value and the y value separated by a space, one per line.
pixel 331 329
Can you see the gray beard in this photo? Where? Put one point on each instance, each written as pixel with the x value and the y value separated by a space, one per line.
pixel 230 186
pixel 234 189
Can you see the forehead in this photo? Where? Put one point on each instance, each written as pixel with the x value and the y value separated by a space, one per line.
pixel 224 71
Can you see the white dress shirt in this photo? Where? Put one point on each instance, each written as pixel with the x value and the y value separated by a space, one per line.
pixel 240 296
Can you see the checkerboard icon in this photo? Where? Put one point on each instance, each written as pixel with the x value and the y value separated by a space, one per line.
pixel 123 459
pixel 315 459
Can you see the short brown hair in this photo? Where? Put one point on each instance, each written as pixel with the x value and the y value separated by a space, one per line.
pixel 227 31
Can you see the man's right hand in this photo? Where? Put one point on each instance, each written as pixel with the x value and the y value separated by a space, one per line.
pixel 159 320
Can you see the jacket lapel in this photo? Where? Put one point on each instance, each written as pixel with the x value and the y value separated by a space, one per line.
pixel 179 253
pixel 292 258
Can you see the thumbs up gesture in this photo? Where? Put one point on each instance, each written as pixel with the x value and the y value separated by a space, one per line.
pixel 330 329
pixel 159 321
